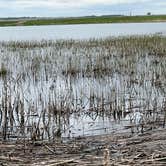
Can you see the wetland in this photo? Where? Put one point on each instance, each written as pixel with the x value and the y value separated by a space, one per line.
pixel 92 100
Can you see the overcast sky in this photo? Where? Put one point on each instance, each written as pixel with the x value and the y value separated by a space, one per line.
pixel 58 8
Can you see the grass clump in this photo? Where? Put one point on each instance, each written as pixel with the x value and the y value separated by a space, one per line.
pixel 3 71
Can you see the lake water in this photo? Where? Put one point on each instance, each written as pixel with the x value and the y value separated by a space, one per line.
pixel 84 31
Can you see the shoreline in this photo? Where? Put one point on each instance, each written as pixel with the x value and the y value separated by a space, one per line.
pixel 81 20
pixel 117 149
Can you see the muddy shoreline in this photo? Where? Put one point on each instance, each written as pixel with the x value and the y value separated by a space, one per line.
pixel 116 149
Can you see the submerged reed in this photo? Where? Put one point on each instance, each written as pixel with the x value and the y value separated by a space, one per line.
pixel 50 81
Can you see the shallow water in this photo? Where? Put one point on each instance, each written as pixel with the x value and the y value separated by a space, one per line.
pixel 83 88
pixel 83 31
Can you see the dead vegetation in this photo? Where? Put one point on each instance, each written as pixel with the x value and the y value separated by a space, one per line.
pixel 58 90
pixel 114 149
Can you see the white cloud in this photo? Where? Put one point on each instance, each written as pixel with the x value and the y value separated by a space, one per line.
pixel 79 7
pixel 62 3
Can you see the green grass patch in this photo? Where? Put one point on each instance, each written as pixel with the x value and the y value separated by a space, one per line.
pixel 85 20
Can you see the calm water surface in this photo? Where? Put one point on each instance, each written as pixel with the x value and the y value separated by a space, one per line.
pixel 84 31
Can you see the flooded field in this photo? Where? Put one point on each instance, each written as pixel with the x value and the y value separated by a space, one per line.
pixel 74 88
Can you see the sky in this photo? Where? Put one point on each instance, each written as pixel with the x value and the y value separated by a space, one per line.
pixel 67 8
